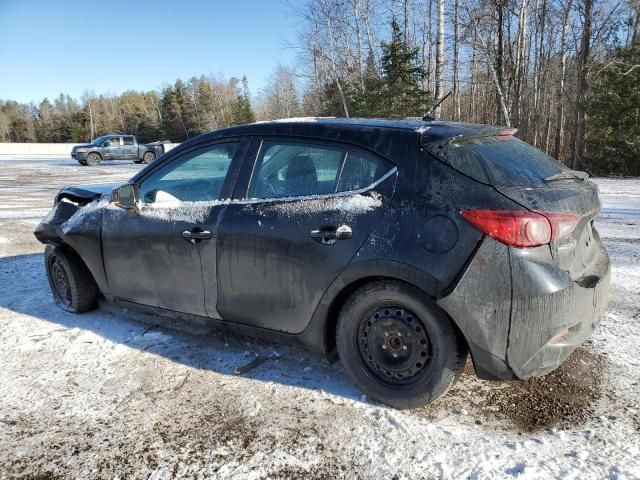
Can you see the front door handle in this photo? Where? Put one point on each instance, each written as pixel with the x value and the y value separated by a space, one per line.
pixel 328 236
pixel 196 235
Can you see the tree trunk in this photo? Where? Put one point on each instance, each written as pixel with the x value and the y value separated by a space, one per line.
pixel 561 77
pixel 356 14
pixel 456 62
pixel 498 69
pixel 440 58
pixel 581 87
pixel 406 22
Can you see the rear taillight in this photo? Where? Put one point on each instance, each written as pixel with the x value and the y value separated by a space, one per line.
pixel 562 224
pixel 522 228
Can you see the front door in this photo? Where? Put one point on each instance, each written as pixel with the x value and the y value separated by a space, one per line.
pixel 156 257
pixel 309 207
pixel 112 149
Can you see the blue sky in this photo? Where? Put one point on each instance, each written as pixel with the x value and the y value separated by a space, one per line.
pixel 53 46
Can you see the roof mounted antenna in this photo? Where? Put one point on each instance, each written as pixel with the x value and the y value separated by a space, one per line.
pixel 428 117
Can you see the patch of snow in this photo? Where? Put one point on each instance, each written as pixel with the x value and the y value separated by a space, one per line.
pixel 350 204
pixel 178 211
pixel 82 216
pixel 296 120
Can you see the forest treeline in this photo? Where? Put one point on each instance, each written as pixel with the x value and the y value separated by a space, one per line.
pixel 566 73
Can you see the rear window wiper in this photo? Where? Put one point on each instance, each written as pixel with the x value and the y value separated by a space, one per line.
pixel 568 175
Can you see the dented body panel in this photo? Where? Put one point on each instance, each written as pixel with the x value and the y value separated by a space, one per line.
pixel 521 310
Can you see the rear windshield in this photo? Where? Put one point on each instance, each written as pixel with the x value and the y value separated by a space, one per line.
pixel 500 161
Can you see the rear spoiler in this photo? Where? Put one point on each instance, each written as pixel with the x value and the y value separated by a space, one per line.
pixel 479 132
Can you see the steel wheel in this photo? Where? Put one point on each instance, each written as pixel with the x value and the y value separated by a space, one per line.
pixel 60 278
pixel 93 159
pixel 394 344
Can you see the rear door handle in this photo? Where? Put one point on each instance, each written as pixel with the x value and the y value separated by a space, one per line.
pixel 196 236
pixel 328 236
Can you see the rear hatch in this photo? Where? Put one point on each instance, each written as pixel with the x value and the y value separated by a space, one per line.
pixel 538 183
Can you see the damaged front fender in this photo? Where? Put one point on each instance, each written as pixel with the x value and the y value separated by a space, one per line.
pixel 75 221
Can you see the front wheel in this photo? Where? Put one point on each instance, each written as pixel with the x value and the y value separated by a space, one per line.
pixel 93 159
pixel 148 157
pixel 72 285
pixel 397 346
pixel 82 162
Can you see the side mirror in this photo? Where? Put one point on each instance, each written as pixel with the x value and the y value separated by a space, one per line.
pixel 106 144
pixel 126 196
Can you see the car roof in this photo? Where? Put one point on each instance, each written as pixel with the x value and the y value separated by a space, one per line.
pixel 357 130
pixel 382 136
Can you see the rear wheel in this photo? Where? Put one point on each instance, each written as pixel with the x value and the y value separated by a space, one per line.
pixel 398 347
pixel 94 159
pixel 72 285
pixel 148 157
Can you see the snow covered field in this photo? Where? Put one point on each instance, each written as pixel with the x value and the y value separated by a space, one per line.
pixel 111 394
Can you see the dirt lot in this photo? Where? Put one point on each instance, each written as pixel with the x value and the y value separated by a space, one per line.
pixel 112 394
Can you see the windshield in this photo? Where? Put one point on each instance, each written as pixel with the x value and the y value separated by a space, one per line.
pixel 500 161
pixel 100 139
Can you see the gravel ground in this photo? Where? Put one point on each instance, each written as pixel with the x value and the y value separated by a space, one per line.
pixel 112 394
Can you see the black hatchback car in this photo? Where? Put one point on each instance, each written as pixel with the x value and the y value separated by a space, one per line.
pixel 396 246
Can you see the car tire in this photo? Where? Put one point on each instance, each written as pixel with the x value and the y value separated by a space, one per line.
pixel 137 161
pixel 93 159
pixel 71 282
pixel 148 157
pixel 82 162
pixel 397 346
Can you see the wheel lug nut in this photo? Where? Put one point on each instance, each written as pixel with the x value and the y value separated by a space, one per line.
pixel 404 347
pixel 384 347
pixel 386 334
pixel 395 355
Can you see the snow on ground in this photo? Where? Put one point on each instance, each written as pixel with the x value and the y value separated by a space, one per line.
pixel 114 394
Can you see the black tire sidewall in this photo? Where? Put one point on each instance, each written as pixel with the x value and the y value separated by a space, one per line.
pixel 52 254
pixel 84 290
pixel 439 373
pixel 93 163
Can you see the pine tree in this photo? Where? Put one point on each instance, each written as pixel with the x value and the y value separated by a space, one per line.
pixel 241 111
pixel 367 102
pixel 613 142
pixel 401 94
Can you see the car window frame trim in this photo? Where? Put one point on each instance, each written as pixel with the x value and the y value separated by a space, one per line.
pixel 233 173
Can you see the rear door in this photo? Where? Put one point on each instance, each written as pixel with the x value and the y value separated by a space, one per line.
pixel 304 209
pixel 129 148
pixel 163 256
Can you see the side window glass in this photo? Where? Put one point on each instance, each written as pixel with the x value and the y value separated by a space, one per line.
pixel 128 140
pixel 195 176
pixel 361 170
pixel 289 169
pixel 114 142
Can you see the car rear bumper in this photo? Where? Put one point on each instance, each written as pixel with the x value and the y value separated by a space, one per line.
pixel 521 314
pixel 551 313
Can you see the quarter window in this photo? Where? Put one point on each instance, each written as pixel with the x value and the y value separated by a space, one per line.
pixel 195 176
pixel 361 170
pixel 290 169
